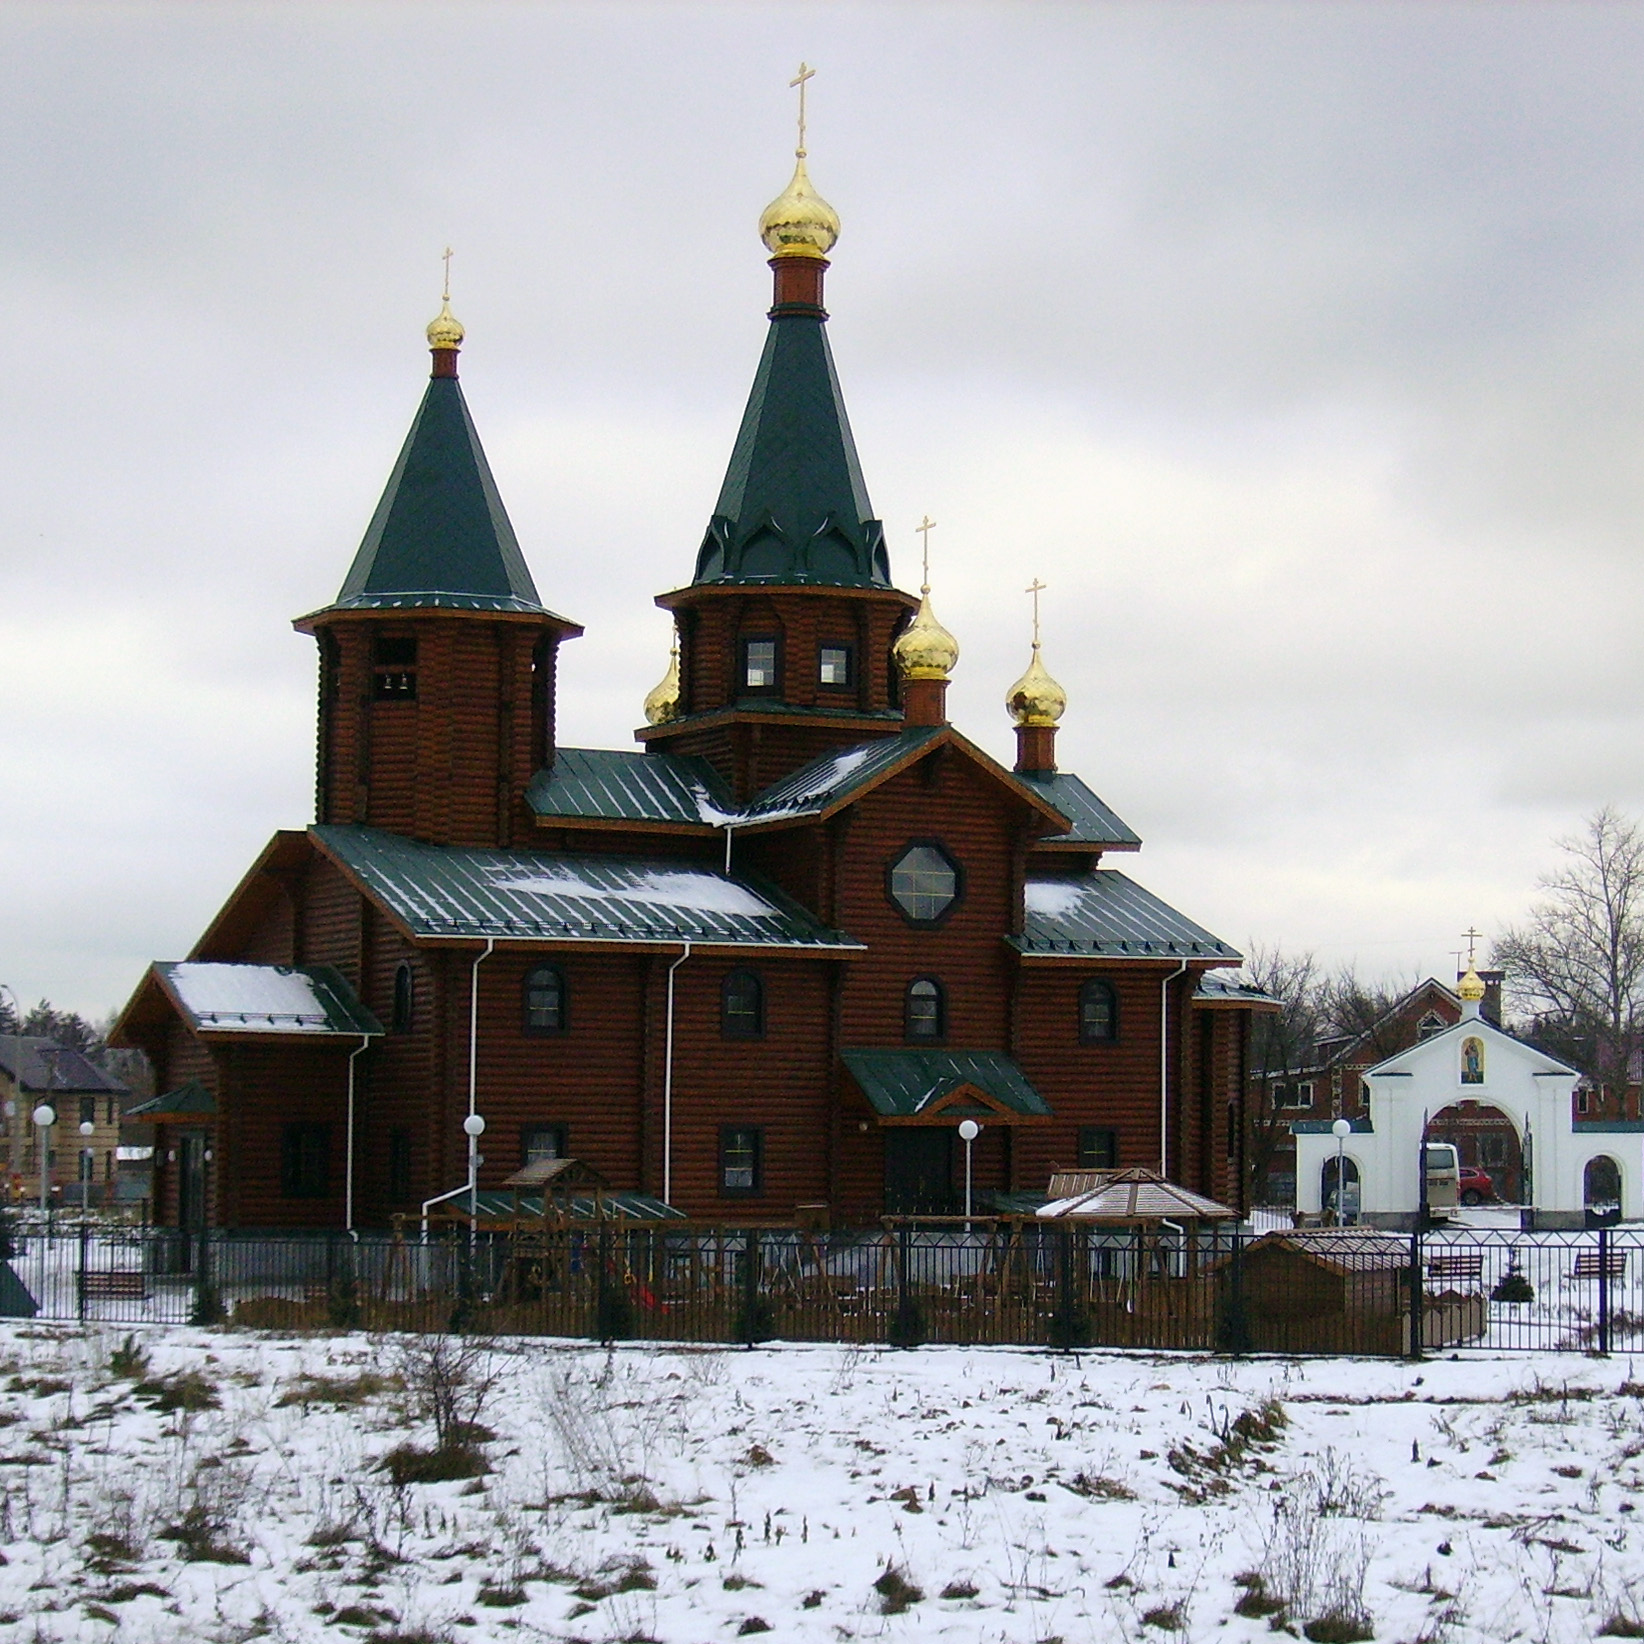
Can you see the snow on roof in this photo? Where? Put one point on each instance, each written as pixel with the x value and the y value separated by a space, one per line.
pixel 240 998
pixel 698 892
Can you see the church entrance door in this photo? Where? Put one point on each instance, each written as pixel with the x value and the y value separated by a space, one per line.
pixel 919 1171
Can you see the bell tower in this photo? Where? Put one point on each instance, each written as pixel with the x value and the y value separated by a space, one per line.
pixel 437 657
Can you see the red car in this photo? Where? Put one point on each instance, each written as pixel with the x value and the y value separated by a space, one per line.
pixel 1474 1185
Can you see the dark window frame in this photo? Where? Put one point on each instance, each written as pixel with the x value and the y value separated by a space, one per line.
pixel 399 1165
pixel 88 1110
pixel 394 668
pixel 562 1025
pixel 403 1009
pixel 1093 986
pixel 940 1035
pixel 952 861
pixel 744 641
pixel 1098 1147
pixel 742 1030
pixel 848 683
pixel 305 1160
pixel 755 1146
pixel 560 1131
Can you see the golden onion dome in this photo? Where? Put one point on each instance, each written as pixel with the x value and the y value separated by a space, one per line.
pixel 925 649
pixel 1471 987
pixel 1036 698
pixel 662 705
pixel 799 222
pixel 445 329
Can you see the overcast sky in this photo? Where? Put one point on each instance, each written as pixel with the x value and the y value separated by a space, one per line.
pixel 1299 349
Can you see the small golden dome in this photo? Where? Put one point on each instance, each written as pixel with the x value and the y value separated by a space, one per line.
pixel 662 705
pixel 799 222
pixel 925 649
pixel 445 329
pixel 1036 698
pixel 1471 987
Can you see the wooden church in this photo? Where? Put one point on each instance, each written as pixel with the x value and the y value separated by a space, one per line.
pixel 771 959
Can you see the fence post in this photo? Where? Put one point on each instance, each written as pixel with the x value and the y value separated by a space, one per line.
pixel 750 1288
pixel 1418 1300
pixel 1238 1331
pixel 1603 1292
pixel 80 1276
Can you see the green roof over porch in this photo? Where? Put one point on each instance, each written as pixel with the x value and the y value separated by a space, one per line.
pixel 917 1085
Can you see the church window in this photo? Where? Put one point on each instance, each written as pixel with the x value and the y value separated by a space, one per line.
pixel 305 1161
pixel 1472 1061
pixel 741 1162
pixel 833 665
pixel 1584 1100
pixel 1098 1012
pixel 1430 1024
pixel 399 1164
pixel 540 1143
pixel 546 1001
pixel 1303 1096
pixel 394 669
pixel 404 999
pixel 926 1014
pixel 924 884
pixel 1098 1148
pixel 742 1006
pixel 759 665
pixel 88 1110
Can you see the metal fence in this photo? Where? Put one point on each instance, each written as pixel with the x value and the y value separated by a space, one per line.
pixel 1058 1285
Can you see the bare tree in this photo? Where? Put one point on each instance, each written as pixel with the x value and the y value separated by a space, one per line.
pixel 1363 1013
pixel 1282 1044
pixel 1577 964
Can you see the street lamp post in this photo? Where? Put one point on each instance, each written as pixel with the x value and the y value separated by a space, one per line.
pixel 87 1131
pixel 969 1130
pixel 45 1116
pixel 473 1127
pixel 1341 1130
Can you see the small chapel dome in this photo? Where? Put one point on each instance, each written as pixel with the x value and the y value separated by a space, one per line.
pixel 662 704
pixel 1471 987
pixel 925 649
pixel 445 329
pixel 799 222
pixel 1036 698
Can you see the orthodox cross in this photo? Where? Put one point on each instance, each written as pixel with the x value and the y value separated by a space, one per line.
pixel 1472 937
pixel 924 528
pixel 446 297
pixel 805 73
pixel 1036 587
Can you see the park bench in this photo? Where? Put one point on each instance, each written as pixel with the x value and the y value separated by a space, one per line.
pixel 1587 1265
pixel 124 1284
pixel 1456 1264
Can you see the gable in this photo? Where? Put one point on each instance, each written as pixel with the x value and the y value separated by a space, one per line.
pixel 1443 1051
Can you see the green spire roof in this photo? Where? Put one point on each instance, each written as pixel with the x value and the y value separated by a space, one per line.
pixel 440 536
pixel 794 507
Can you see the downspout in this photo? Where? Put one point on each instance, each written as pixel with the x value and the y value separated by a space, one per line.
pixel 1164 1069
pixel 348 1186
pixel 730 828
pixel 473 1077
pixel 668 1074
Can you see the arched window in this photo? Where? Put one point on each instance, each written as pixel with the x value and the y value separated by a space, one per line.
pixel 546 1002
pixel 1098 1012
pixel 926 1011
pixel 404 1000
pixel 742 1006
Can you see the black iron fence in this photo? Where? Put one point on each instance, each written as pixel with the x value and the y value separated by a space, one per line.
pixel 1054 1285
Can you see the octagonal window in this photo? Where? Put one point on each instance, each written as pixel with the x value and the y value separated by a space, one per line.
pixel 924 883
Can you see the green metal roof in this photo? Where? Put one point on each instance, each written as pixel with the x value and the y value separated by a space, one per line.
pixel 627 1207
pixel 221 997
pixel 1107 915
pixel 1093 823
pixel 794 507
pixel 192 1100
pixel 440 536
pixel 449 891
pixel 603 785
pixel 901 1084
pixel 831 777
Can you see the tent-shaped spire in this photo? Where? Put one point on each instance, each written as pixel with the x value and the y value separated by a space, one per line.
pixel 440 536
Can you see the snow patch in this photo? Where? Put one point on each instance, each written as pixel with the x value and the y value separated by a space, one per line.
pixel 257 998
pixel 697 892
pixel 1051 898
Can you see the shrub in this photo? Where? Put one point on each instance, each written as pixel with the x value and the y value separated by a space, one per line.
pixel 614 1316
pixel 907 1328
pixel 756 1321
pixel 187 1390
pixel 896 1592
pixel 412 1464
pixel 960 1589
pixel 201 1537
pixel 128 1361
pixel 1512 1286
pixel 208 1305
pixel 1069 1329
pixel 339 1391
pixel 1168 1617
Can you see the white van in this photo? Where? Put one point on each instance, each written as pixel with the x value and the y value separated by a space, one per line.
pixel 1443 1178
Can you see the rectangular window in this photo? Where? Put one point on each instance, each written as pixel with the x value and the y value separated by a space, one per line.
pixel 1584 1101
pixel 539 1143
pixel 399 1165
pixel 1098 1148
pixel 759 665
pixel 833 665
pixel 109 1116
pixel 305 1161
pixel 740 1164
pixel 1304 1093
pixel 88 1110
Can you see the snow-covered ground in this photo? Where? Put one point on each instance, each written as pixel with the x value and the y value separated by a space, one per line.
pixel 699 1494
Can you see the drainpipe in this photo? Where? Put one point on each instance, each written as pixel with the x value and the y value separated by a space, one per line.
pixel 473 1077
pixel 729 830
pixel 1164 1069
pixel 348 1192
pixel 668 1075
